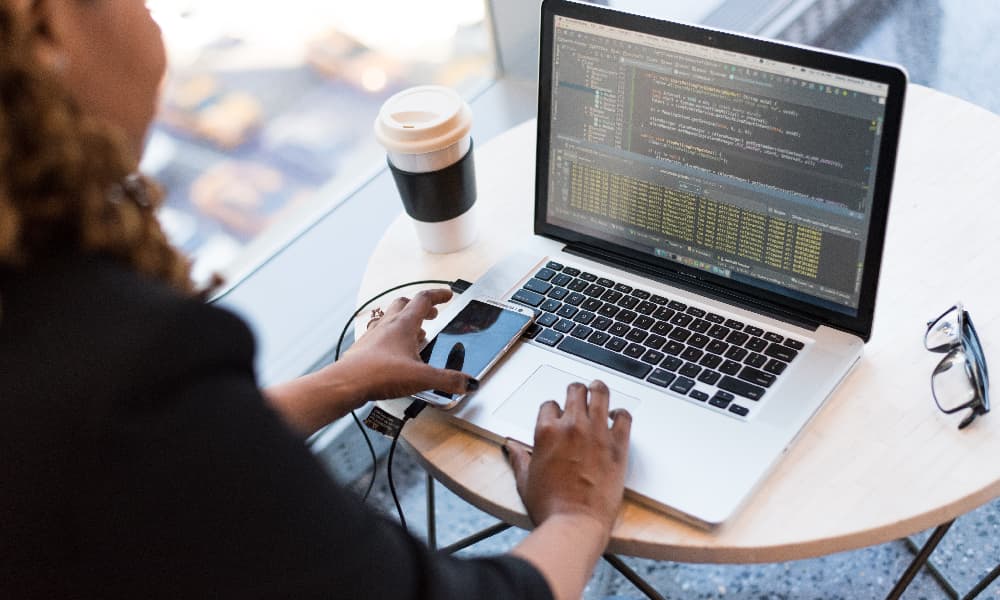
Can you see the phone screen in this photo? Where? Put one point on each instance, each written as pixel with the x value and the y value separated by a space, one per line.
pixel 473 339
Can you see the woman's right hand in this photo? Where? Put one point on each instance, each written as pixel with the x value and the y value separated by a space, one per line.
pixel 577 467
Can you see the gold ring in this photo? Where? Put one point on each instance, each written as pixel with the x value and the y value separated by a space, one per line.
pixel 377 313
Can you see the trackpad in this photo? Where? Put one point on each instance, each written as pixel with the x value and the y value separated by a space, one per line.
pixel 549 383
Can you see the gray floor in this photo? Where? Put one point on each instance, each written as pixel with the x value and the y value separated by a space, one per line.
pixel 947 45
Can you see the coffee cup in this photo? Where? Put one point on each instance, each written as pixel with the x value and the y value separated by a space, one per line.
pixel 426 133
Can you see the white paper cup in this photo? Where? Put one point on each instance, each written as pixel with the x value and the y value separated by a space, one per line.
pixel 425 131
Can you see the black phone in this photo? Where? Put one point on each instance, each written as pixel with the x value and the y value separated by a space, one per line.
pixel 473 341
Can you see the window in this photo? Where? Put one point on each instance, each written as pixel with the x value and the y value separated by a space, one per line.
pixel 265 121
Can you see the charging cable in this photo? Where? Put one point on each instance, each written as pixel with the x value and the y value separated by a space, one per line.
pixel 458 286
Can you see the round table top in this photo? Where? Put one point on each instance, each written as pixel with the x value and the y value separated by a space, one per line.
pixel 880 461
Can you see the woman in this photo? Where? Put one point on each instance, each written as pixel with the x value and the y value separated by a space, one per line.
pixel 137 457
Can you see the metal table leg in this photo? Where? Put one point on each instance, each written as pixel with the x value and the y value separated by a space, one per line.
pixel 641 584
pixel 919 561
pixel 431 517
pixel 985 583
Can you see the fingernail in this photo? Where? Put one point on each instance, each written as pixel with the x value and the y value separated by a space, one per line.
pixel 472 384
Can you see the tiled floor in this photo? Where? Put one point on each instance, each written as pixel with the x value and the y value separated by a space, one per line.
pixel 945 44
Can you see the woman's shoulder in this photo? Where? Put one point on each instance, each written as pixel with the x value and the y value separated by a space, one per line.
pixel 89 316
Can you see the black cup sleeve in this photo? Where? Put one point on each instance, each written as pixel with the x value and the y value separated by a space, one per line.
pixel 439 195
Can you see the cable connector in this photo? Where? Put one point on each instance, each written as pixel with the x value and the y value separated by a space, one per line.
pixel 413 409
pixel 459 286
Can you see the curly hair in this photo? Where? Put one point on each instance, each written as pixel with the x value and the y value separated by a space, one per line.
pixel 66 183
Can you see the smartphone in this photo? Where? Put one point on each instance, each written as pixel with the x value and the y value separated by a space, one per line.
pixel 473 341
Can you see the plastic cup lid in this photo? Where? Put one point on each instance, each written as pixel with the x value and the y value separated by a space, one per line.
pixel 423 119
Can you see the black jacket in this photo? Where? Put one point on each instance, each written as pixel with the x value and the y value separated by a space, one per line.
pixel 138 459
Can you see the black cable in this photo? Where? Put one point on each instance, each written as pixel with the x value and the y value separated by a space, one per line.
pixel 336 357
pixel 392 486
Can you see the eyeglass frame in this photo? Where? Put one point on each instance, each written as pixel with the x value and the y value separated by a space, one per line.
pixel 969 344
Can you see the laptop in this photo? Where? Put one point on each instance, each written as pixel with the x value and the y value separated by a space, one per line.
pixel 710 212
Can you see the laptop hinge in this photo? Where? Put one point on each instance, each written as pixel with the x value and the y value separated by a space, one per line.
pixel 688 282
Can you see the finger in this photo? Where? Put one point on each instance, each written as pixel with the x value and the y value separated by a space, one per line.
pixel 397 306
pixel 621 427
pixel 576 400
pixel 419 308
pixel 447 380
pixel 548 411
pixel 520 461
pixel 599 399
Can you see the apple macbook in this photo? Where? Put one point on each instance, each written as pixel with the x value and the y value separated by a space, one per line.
pixel 710 211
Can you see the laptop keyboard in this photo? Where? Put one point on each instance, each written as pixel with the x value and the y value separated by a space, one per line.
pixel 689 350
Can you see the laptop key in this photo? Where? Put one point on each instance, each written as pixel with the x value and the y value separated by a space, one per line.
pixel 626 316
pixel 605 357
pixel 720 401
pixel 645 308
pixel 564 326
pixel 775 366
pixel 625 289
pixel 756 377
pixel 682 385
pixel 588 277
pixel 551 305
pixel 736 409
pixel 679 334
pixel 567 311
pixel 730 367
pixel 660 377
pixel 673 347
pixel 737 338
pixel 584 317
pixel 601 323
pixel 576 299
pixel 663 313
pixel 628 302
pixel 781 352
pixel 741 388
pixel 717 347
pixel 754 331
pixel 660 300
pixel 652 357
pixel 661 328
pixel 571 271
pixel 681 319
pixel 756 360
pixel 636 335
pixel 794 344
pixel 671 363
pixel 578 285
pixel 710 360
pixel 549 337
pixel 773 337
pixel 709 376
pixel 609 310
pixel 655 342
pixel 616 344
pixel 604 281
pixel 736 353
pixel 690 370
pixel 594 291
pixel 592 304
pixel 599 338
pixel 698 340
pixel 528 297
pixel 641 294
pixel 545 274
pixel 718 332
pixel 714 318
pixel 547 320
pixel 698 395
pixel 554 266
pixel 694 311
pixel 700 326
pixel 756 344
pixel 561 279
pixel 644 322
pixel 537 285
pixel 634 350
pixel 611 296
pixel 677 305
pixel 734 324
pixel 581 331
pixel 691 354
pixel 620 329
pixel 558 293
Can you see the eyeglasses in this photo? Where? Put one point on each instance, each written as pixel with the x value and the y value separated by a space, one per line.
pixel 961 379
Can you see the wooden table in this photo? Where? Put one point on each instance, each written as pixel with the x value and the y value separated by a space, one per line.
pixel 880 461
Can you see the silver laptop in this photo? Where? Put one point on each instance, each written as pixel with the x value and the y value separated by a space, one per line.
pixel 710 213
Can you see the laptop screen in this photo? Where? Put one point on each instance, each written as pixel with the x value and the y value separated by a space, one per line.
pixel 757 171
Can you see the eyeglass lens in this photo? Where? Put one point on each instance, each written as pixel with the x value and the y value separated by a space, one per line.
pixel 953 382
